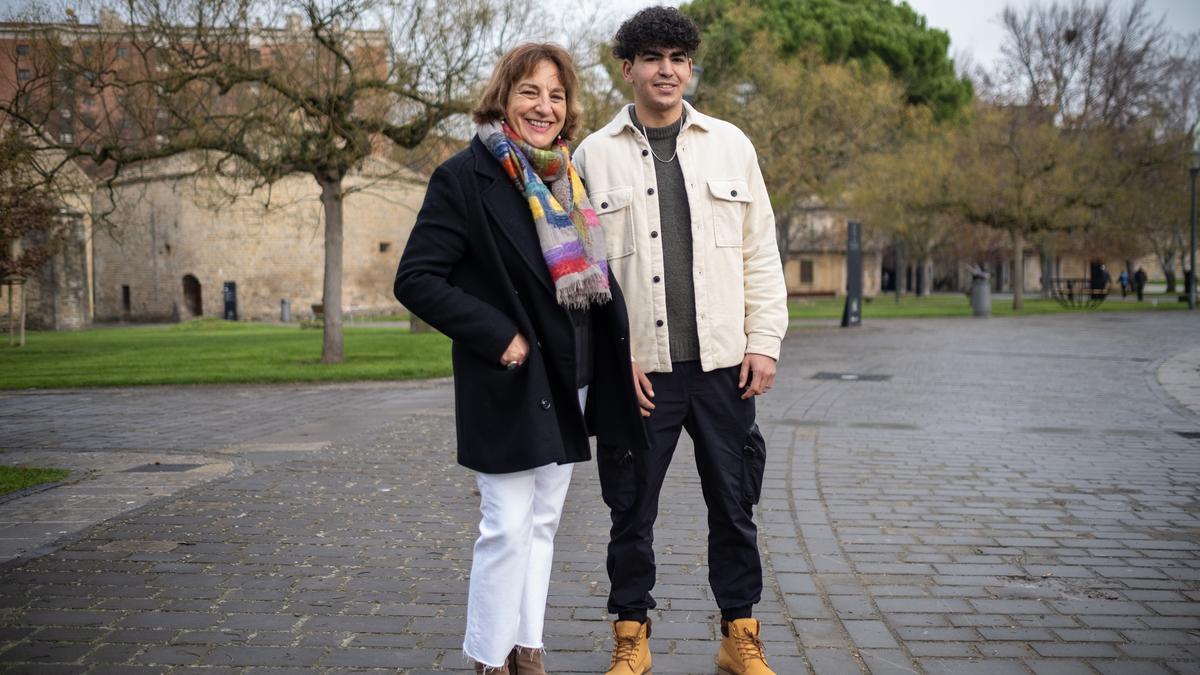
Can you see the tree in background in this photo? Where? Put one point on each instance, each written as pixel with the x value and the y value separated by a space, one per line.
pixel 1017 173
pixel 905 191
pixel 31 229
pixel 867 32
pixel 336 85
pixel 1114 79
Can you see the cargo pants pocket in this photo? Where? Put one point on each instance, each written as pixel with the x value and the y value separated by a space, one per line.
pixel 618 476
pixel 754 464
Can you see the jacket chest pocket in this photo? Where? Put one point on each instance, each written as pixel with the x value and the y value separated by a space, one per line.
pixel 728 202
pixel 615 210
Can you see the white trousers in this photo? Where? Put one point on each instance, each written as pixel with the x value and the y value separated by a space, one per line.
pixel 510 567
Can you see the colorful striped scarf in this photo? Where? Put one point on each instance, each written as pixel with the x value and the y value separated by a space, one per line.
pixel 571 239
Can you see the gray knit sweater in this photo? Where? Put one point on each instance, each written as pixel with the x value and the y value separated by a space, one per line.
pixel 675 218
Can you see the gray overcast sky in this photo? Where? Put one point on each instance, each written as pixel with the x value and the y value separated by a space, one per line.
pixel 973 26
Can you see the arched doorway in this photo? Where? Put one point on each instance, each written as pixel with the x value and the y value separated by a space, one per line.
pixel 191 296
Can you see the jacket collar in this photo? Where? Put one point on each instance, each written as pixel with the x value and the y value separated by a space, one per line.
pixel 692 118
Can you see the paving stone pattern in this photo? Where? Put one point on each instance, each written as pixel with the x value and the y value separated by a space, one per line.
pixel 1015 498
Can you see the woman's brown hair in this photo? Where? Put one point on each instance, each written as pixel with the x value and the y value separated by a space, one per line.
pixel 519 62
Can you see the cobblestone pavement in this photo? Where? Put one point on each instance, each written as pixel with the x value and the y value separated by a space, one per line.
pixel 1000 496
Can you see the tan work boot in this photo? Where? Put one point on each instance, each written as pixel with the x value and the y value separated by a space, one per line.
pixel 481 669
pixel 526 661
pixel 741 651
pixel 631 648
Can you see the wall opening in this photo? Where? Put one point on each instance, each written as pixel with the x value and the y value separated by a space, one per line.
pixel 192 300
pixel 126 303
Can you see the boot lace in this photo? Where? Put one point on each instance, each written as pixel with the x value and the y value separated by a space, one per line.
pixel 749 646
pixel 625 649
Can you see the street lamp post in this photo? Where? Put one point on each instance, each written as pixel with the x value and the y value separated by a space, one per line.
pixel 1192 171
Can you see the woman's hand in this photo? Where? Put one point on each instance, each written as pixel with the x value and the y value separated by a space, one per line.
pixel 516 353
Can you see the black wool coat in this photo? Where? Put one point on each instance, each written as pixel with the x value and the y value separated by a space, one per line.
pixel 473 269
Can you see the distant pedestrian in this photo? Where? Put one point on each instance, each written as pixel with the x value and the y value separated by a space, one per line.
pixel 1100 281
pixel 1123 279
pixel 1139 282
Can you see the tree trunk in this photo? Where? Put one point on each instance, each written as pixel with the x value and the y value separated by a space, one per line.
pixel 901 272
pixel 331 199
pixel 22 340
pixel 1018 272
pixel 1168 268
pixel 12 324
pixel 1047 262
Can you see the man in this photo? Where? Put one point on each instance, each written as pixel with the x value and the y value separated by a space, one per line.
pixel 691 240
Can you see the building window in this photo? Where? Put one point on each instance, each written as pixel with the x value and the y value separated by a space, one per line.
pixel 806 271
pixel 125 300
pixel 22 50
pixel 66 137
pixel 385 246
pixel 23 74
pixel 122 52
pixel 66 113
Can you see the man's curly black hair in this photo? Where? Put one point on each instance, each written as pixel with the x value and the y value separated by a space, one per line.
pixel 655 28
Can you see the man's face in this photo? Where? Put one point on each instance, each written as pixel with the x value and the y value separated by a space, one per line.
pixel 659 77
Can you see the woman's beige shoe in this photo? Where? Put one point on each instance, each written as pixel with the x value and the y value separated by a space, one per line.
pixel 525 661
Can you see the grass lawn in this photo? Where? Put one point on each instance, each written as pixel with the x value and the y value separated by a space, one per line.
pixel 13 478
pixel 958 304
pixel 214 351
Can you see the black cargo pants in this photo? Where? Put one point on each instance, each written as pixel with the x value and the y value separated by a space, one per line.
pixel 730 457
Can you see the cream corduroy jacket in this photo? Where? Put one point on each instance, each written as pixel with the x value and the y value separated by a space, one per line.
pixel 741 299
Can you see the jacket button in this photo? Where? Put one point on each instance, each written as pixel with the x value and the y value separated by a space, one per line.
pixel 645 152
pixel 654 234
pixel 733 193
pixel 604 205
pixel 658 323
pixel 657 279
pixel 544 403
pixel 650 191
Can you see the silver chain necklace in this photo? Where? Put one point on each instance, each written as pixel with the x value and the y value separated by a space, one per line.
pixel 652 152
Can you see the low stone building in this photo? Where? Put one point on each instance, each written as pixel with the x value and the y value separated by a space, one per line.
pixel 58 296
pixel 178 242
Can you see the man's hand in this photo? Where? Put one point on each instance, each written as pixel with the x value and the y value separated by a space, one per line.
pixel 517 350
pixel 641 386
pixel 759 372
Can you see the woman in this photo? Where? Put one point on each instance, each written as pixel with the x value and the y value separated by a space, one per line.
pixel 507 259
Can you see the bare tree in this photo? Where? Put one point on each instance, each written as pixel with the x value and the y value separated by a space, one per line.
pixel 336 84
pixel 1090 63
pixel 31 230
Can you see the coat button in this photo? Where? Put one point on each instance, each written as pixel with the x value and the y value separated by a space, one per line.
pixel 604 205
pixel 654 234
pixel 544 403
pixel 733 193
pixel 658 323
pixel 645 152
pixel 650 191
pixel 657 279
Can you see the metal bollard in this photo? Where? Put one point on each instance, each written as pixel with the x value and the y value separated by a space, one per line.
pixel 285 311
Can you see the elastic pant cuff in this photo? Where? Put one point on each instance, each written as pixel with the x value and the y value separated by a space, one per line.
pixel 735 613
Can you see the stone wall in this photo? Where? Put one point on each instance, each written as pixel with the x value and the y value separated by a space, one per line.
pixel 270 242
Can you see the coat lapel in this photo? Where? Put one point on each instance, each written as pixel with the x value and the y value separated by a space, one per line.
pixel 510 213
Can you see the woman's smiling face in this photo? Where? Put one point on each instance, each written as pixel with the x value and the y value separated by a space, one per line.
pixel 537 106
